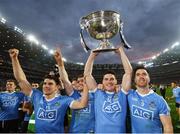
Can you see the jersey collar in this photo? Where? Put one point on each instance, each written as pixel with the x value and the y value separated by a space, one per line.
pixel 143 95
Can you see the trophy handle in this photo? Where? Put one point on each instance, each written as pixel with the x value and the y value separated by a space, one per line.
pixel 125 44
pixel 86 48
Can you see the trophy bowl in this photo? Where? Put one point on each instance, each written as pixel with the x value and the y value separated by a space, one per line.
pixel 101 25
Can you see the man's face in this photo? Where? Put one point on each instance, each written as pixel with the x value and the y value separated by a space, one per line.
pixel 35 85
pixel 80 83
pixel 173 85
pixel 50 87
pixel 142 78
pixel 74 84
pixel 10 86
pixel 109 82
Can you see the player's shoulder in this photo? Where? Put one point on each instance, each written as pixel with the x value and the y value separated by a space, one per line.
pixel 63 97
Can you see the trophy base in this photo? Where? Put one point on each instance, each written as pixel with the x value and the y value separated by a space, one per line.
pixel 105 50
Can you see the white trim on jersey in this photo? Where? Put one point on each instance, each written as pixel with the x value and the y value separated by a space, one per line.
pixel 71 93
pixel 71 104
pixel 123 91
pixel 143 95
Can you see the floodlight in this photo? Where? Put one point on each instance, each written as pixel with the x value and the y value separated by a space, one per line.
pixel 175 62
pixel 140 62
pixel 3 20
pixel 32 38
pixel 165 64
pixel 150 64
pixel 154 57
pixel 18 29
pixel 51 51
pixel 80 63
pixel 165 50
pixel 64 59
pixel 175 44
pixel 44 47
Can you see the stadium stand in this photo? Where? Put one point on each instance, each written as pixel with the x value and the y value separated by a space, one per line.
pixel 36 62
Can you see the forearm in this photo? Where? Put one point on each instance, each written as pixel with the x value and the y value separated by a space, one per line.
pixel 17 70
pixel 89 66
pixel 125 62
pixel 126 80
pixel 64 77
pixel 82 102
pixel 84 97
pixel 168 129
pixel 167 123
pixel 63 74
pixel 90 81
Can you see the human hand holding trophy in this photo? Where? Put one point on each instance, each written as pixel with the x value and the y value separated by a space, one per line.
pixel 102 25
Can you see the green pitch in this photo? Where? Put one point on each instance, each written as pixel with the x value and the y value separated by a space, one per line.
pixel 171 103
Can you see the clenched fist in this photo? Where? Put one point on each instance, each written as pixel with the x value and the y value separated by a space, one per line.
pixel 58 57
pixel 13 53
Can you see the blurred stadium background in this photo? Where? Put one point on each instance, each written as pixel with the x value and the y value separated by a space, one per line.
pixel 37 60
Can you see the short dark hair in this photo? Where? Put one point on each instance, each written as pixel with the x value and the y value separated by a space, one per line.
pixel 80 76
pixel 12 80
pixel 74 79
pixel 137 68
pixel 110 72
pixel 53 77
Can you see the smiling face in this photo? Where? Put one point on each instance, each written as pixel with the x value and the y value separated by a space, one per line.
pixel 109 82
pixel 50 87
pixel 10 86
pixel 142 79
pixel 80 83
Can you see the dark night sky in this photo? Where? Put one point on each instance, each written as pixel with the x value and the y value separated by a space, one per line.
pixel 150 26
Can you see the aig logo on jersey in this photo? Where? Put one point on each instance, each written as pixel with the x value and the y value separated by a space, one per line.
pixel 10 101
pixel 142 113
pixel 47 114
pixel 111 107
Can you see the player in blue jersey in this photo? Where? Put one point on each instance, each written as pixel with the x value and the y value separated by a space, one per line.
pixel 176 95
pixel 110 106
pixel 10 101
pixel 82 120
pixel 49 107
pixel 149 112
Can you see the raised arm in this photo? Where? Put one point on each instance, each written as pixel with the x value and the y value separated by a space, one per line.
pixel 90 81
pixel 126 80
pixel 78 104
pixel 62 72
pixel 18 72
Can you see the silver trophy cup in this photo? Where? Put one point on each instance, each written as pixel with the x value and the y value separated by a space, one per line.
pixel 102 25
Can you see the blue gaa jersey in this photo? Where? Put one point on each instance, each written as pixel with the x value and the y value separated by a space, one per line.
pixel 9 103
pixel 83 120
pixel 49 115
pixel 110 112
pixel 176 94
pixel 146 111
